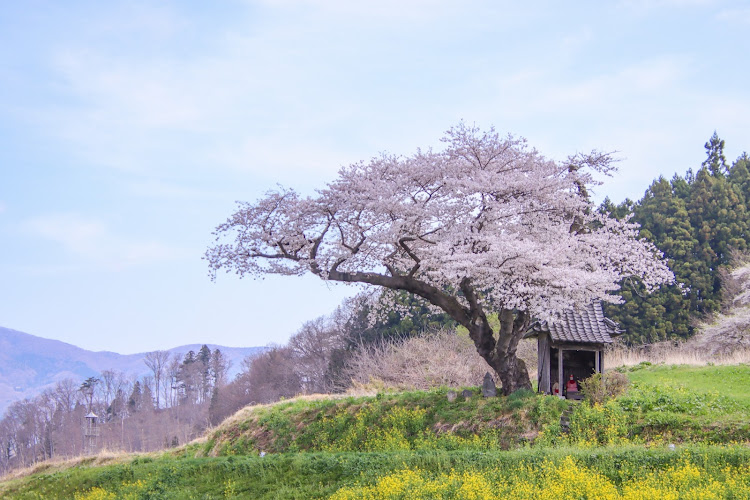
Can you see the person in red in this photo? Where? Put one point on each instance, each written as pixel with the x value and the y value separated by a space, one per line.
pixel 572 385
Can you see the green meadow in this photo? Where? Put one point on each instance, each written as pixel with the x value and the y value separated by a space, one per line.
pixel 678 432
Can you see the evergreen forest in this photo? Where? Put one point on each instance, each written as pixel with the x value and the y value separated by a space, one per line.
pixel 700 221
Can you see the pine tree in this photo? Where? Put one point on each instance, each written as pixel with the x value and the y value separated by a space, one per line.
pixel 704 260
pixel 681 185
pixel 135 399
pixel 739 175
pixel 204 358
pixel 718 214
pixel 188 379
pixel 619 211
pixel 664 314
pixel 715 162
pixel 219 367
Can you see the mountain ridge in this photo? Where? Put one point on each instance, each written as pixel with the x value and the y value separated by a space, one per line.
pixel 29 363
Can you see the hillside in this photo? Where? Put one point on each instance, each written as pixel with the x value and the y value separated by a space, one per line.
pixel 729 330
pixel 687 403
pixel 29 364
pixel 387 422
pixel 421 445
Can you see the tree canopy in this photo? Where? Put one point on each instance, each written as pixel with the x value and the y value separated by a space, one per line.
pixel 485 225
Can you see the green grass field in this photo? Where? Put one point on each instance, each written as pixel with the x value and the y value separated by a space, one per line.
pixel 732 381
pixel 679 432
pixel 320 475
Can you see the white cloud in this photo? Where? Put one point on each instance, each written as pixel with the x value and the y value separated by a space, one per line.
pixel 280 99
pixel 174 114
pixel 656 75
pixel 547 92
pixel 91 240
pixel 298 77
pixel 153 188
pixel 77 234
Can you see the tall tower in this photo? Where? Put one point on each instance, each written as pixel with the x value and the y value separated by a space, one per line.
pixel 90 433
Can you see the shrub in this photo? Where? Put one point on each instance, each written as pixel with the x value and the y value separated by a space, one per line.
pixel 599 388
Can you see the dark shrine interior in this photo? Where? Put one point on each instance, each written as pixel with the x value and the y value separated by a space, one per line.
pixel 582 364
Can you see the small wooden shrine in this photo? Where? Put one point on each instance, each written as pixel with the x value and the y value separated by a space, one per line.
pixel 573 345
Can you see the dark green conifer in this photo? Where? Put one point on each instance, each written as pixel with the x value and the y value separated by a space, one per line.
pixel 715 162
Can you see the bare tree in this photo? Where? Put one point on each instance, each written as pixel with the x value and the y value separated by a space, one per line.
pixel 49 425
pixel 273 375
pixel 108 385
pixel 157 363
pixel 66 393
pixel 173 371
pixel 220 365
pixel 313 346
pixel 47 412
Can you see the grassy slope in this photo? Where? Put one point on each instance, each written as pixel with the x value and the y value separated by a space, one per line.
pixel 731 381
pixel 691 403
pixel 387 422
pixel 425 431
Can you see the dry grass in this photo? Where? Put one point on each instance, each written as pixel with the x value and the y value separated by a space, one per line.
pixel 673 353
pixel 58 464
pixel 442 358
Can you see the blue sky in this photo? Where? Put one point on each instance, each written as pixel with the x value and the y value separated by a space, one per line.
pixel 128 130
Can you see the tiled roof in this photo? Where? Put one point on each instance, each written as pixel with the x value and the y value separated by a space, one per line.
pixel 584 326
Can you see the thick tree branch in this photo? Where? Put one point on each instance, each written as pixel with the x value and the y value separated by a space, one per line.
pixel 428 292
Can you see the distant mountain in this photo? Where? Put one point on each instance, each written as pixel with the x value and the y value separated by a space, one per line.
pixel 29 364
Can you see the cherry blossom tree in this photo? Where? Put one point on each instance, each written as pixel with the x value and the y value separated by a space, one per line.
pixel 485 225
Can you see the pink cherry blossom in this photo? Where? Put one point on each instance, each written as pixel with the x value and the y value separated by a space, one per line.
pixel 485 225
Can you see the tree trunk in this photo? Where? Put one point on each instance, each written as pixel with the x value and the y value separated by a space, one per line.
pixel 513 375
pixel 499 351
